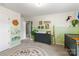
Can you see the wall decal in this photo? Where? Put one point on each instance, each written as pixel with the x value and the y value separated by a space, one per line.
pixel 78 16
pixel 75 22
pixel 15 31
pixel 68 18
pixel 15 22
pixel 15 35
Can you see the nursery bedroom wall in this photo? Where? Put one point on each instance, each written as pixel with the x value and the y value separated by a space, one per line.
pixel 60 23
pixel 10 29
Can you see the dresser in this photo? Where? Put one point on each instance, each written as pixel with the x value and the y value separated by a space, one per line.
pixel 71 43
pixel 43 38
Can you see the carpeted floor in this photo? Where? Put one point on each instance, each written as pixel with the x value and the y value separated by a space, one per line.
pixel 31 48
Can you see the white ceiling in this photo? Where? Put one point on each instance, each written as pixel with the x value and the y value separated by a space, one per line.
pixel 30 9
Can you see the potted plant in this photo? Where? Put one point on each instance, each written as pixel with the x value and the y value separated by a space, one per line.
pixel 33 32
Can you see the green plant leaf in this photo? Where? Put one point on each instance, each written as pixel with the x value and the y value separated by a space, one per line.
pixel 75 22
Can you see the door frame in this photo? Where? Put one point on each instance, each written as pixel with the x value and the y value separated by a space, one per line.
pixel 30 29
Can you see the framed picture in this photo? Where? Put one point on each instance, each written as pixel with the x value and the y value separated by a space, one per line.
pixel 46 22
pixel 38 27
pixel 46 26
pixel 42 27
pixel 40 22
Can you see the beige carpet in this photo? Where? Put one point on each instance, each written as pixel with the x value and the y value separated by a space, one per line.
pixel 31 48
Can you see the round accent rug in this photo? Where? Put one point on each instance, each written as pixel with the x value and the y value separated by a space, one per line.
pixel 30 51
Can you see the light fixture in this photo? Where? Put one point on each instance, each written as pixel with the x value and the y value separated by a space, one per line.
pixel 39 4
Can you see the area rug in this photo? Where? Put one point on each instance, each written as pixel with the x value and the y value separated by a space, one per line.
pixel 29 51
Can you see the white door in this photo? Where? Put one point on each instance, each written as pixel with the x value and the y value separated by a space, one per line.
pixel 4 33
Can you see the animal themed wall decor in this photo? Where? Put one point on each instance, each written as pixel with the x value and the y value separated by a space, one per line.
pixel 68 18
pixel 15 22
